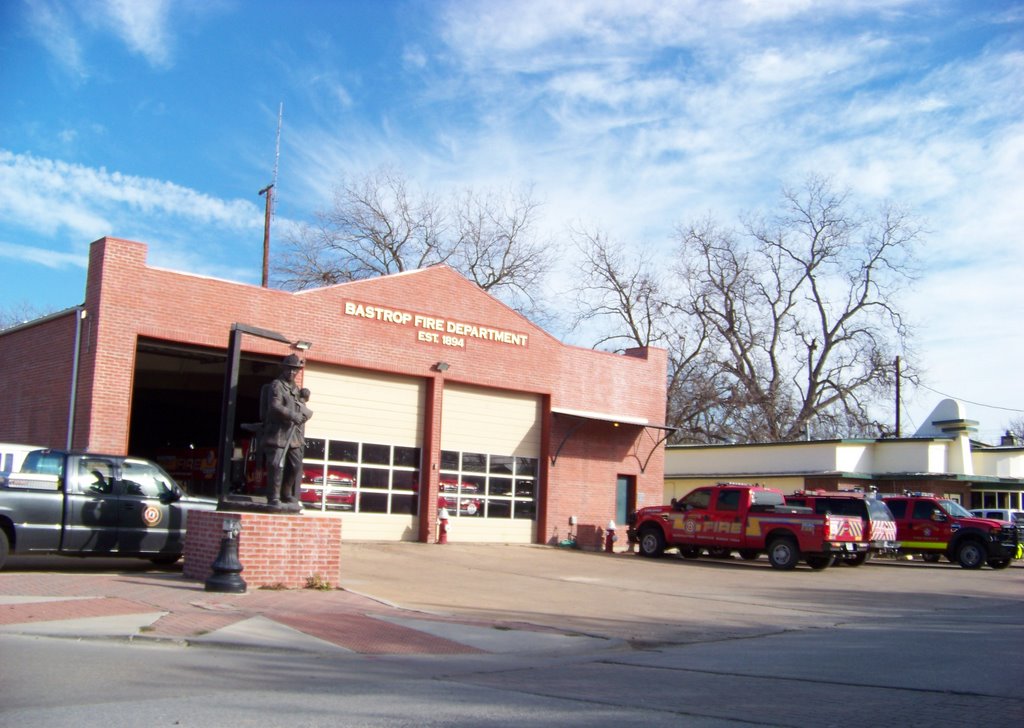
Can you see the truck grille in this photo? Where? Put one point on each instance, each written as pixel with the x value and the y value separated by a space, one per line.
pixel 1011 535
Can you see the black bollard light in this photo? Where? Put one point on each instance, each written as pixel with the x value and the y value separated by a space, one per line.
pixel 227 567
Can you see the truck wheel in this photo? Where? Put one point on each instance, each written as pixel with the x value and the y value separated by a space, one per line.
pixel 999 563
pixel 749 554
pixel 783 553
pixel 5 548
pixel 819 562
pixel 652 542
pixel 971 555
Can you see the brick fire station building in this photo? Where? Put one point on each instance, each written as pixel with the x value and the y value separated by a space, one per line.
pixel 423 386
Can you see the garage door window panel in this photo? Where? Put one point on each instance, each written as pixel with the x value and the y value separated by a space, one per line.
pixel 501 464
pixel 377 454
pixel 403 504
pixel 499 509
pixel 474 462
pixel 500 486
pixel 342 451
pixel 380 478
pixel 449 460
pixel 404 479
pixel 407 457
pixel 373 478
pixel 373 502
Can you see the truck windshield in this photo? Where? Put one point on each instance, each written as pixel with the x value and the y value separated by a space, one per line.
pixel 955 509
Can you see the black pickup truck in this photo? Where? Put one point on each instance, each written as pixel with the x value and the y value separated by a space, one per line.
pixel 84 504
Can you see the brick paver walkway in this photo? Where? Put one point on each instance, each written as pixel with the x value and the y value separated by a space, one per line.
pixel 339 617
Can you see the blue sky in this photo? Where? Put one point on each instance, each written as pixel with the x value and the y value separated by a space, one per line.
pixel 156 121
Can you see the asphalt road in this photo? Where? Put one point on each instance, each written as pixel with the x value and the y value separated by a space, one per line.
pixel 704 643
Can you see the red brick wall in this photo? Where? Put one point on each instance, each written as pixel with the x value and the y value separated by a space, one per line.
pixel 583 476
pixel 35 379
pixel 274 550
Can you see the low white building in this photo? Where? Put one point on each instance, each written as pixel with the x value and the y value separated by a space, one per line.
pixel 940 458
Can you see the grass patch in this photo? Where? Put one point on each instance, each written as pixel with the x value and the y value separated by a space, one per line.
pixel 318 582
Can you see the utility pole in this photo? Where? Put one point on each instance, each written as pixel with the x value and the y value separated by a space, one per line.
pixel 269 192
pixel 897 397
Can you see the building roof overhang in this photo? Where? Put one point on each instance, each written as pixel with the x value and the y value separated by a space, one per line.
pixel 616 420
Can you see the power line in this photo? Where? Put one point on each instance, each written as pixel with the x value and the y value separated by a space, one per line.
pixel 976 404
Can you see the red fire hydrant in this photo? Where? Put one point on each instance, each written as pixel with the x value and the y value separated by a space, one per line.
pixel 442 525
pixel 610 538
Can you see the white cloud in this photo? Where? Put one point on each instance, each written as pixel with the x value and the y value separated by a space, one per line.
pixel 47 196
pixel 45 257
pixel 52 26
pixel 142 26
pixel 145 27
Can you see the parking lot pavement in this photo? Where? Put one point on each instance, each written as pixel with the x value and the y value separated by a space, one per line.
pixel 660 601
pixel 411 598
pixel 710 642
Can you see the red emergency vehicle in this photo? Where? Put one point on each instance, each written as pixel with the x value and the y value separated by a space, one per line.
pixel 934 527
pixel 750 519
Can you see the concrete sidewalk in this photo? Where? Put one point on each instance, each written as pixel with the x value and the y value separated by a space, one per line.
pixel 125 599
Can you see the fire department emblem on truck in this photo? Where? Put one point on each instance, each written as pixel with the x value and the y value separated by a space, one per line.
pixel 151 516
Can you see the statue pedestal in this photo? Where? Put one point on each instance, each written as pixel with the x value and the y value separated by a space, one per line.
pixel 275 550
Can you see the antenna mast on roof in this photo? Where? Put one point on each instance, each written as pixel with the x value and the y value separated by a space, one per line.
pixel 269 192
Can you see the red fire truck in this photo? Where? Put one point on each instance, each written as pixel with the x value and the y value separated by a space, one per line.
pixel 749 519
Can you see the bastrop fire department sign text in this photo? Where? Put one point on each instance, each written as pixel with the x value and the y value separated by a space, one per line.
pixel 433 329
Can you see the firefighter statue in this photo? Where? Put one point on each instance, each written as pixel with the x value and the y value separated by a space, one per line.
pixel 283 412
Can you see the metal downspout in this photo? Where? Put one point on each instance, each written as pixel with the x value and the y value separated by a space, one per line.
pixel 79 315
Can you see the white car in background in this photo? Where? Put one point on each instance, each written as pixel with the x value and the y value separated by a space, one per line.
pixel 13 455
pixel 1000 514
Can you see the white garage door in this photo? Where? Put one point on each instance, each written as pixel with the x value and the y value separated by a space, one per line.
pixel 490 456
pixel 364 442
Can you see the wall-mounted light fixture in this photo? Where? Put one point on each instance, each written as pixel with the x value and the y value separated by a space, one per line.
pixel 441 366
pixel 302 345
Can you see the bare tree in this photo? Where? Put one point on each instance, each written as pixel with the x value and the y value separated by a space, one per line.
pixel 496 247
pixel 784 329
pixel 628 302
pixel 1015 427
pixel 801 313
pixel 619 293
pixel 377 225
pixel 374 227
pixel 17 314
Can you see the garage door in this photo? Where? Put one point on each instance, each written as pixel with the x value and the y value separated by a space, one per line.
pixel 364 443
pixel 490 455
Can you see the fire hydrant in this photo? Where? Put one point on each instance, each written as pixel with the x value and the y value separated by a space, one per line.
pixel 442 525
pixel 610 538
